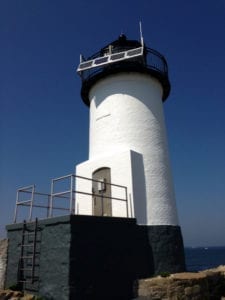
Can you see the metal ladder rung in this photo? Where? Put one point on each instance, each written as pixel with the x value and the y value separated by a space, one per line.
pixel 30 277
pixel 29 233
pixel 36 253
pixel 36 265
pixel 29 280
pixel 27 245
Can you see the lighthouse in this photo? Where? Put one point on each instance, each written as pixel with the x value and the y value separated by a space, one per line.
pixel 122 223
pixel 124 85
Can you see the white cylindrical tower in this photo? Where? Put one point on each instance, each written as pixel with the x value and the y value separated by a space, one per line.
pixel 125 85
pixel 126 113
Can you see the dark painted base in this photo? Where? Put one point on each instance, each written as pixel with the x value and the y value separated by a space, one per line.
pixel 83 257
pixel 167 248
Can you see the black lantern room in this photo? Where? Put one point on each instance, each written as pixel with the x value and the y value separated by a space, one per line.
pixel 123 55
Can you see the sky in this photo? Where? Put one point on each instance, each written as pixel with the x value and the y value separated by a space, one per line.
pixel 44 123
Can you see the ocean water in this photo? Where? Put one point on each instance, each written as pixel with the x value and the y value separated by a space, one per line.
pixel 202 258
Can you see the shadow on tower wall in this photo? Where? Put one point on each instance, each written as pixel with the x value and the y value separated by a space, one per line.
pixel 107 256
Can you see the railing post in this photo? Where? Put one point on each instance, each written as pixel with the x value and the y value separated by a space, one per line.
pixel 48 205
pixel 71 193
pixel 74 195
pixel 131 207
pixel 16 207
pixel 31 202
pixel 126 201
pixel 51 198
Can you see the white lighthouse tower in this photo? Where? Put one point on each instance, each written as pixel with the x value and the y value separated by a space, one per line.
pixel 125 85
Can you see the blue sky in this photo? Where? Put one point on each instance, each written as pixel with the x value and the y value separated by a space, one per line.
pixel 44 123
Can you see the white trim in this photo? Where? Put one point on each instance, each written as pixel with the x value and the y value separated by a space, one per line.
pixel 108 59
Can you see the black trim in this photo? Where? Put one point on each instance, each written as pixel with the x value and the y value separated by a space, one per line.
pixel 121 68
pixel 152 63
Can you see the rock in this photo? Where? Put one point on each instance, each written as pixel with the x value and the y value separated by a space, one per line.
pixel 15 295
pixel 3 261
pixel 208 284
pixel 28 297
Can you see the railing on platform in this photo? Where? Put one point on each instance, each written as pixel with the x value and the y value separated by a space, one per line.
pixel 149 58
pixel 62 198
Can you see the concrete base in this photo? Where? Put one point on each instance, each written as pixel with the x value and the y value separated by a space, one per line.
pixel 167 248
pixel 86 257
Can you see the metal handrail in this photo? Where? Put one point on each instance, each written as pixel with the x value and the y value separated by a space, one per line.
pixel 66 194
pixel 97 195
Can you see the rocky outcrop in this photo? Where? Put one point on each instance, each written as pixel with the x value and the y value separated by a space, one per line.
pixel 3 261
pixel 15 295
pixel 205 285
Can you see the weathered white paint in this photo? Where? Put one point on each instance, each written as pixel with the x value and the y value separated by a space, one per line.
pixel 126 113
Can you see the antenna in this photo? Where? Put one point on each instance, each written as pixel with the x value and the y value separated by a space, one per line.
pixel 141 35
